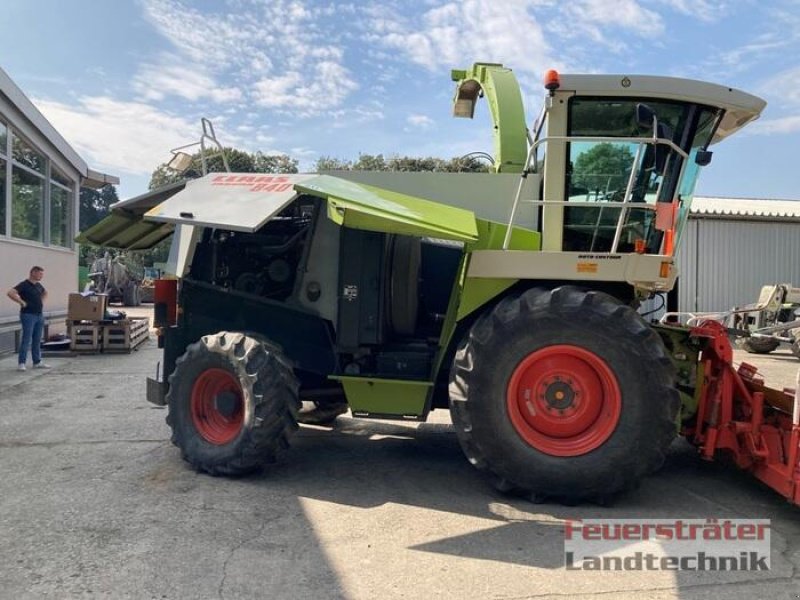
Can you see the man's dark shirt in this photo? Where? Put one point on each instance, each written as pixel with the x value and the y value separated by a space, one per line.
pixel 32 294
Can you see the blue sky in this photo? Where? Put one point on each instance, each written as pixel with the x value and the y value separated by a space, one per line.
pixel 125 81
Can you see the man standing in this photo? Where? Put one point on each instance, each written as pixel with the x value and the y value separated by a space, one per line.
pixel 30 295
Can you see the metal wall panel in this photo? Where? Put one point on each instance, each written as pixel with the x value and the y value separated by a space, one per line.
pixel 7 342
pixel 724 263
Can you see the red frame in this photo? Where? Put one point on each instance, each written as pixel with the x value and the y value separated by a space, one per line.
pixel 733 417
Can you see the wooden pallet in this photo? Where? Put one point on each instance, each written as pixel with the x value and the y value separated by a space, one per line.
pixel 86 337
pixel 126 335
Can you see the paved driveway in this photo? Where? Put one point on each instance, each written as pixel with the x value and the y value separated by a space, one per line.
pixel 95 502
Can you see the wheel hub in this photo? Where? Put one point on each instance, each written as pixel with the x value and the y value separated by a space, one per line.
pixel 217 406
pixel 226 403
pixel 558 394
pixel 564 400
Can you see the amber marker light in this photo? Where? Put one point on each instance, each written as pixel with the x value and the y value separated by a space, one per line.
pixel 669 242
pixel 552 80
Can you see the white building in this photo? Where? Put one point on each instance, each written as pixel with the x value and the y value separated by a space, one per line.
pixel 40 179
pixel 732 247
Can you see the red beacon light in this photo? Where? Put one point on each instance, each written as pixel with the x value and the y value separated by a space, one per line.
pixel 552 80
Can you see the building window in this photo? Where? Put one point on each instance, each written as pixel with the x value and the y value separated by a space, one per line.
pixel 60 194
pixel 27 204
pixel 24 154
pixel 2 197
pixel 60 178
pixel 41 198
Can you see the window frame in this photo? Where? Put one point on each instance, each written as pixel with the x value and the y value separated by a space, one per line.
pixel 51 170
pixel 44 222
pixel 6 199
pixel 69 217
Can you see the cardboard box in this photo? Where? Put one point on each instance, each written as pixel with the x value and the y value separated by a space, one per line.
pixel 87 308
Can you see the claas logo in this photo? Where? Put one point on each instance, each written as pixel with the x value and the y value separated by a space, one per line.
pixel 256 183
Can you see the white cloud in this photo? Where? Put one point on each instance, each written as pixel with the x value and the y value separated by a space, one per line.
pixel 784 86
pixel 120 137
pixel 775 126
pixel 155 82
pixel 705 10
pixel 277 91
pixel 744 57
pixel 517 33
pixel 420 121
pixel 459 33
pixel 282 54
pixel 773 36
pixel 607 22
pixel 306 97
pixel 619 14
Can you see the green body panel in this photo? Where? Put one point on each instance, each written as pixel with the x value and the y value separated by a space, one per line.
pixel 402 398
pixel 470 293
pixel 125 228
pixel 451 318
pixel 491 236
pixel 385 397
pixel 684 352
pixel 476 292
pixel 126 231
pixel 371 208
pixel 501 89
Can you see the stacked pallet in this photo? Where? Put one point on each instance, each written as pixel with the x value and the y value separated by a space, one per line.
pixel 124 336
pixel 86 337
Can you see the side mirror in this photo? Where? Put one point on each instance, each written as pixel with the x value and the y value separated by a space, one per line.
pixel 645 116
pixel 180 162
pixel 703 157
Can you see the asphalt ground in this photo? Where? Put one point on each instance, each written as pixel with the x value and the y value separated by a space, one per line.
pixel 95 502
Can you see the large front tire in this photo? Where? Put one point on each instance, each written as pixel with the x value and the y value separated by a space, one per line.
pixel 232 403
pixel 563 393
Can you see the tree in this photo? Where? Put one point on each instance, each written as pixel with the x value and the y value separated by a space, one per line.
pixel 239 161
pixel 328 163
pixel 604 168
pixel 94 205
pixel 369 162
pixel 273 163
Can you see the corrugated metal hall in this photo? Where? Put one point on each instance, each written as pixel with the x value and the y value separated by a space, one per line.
pixel 732 247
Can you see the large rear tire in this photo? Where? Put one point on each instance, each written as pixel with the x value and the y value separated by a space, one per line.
pixel 796 342
pixel 130 295
pixel 232 403
pixel 564 393
pixel 757 345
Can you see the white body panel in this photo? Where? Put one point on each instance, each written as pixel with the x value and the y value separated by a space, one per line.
pixel 239 202
pixel 642 271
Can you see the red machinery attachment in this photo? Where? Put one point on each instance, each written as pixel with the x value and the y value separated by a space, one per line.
pixel 738 416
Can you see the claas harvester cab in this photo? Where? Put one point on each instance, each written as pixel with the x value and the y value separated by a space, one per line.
pixel 508 297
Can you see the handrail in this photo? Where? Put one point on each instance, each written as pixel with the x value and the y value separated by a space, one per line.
pixel 595 203
pixel 611 138
pixel 653 140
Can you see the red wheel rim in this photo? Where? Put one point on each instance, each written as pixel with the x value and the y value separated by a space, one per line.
pixel 217 406
pixel 564 400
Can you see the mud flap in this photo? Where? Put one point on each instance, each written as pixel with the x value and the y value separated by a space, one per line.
pixel 157 391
